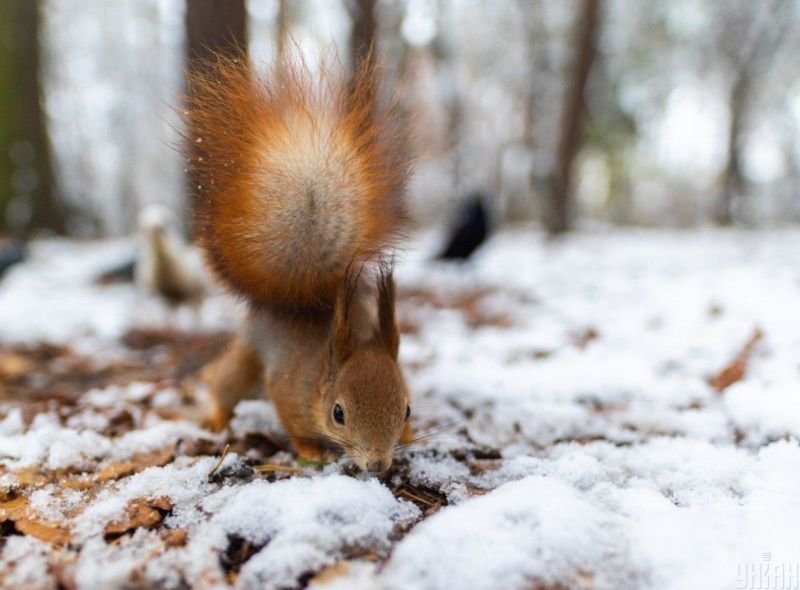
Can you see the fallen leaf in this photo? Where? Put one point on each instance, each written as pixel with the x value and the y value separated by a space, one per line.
pixel 331 573
pixel 736 370
pixel 116 470
pixel 162 503
pixel 137 463
pixel 83 481
pixel 47 532
pixel 14 366
pixel 18 511
pixel 29 477
pixel 145 513
pixel 585 337
pixel 176 538
pixel 14 508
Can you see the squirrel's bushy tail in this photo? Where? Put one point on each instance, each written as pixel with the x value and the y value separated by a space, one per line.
pixel 296 175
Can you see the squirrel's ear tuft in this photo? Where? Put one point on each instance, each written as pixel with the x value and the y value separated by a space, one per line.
pixel 388 334
pixel 342 340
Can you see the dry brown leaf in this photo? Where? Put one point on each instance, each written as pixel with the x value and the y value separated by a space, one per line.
pixel 585 337
pixel 80 482
pixel 162 503
pixel 29 477
pixel 137 463
pixel 116 470
pixel 736 370
pixel 18 511
pixel 47 532
pixel 14 366
pixel 176 538
pixel 145 513
pixel 331 573
pixel 14 508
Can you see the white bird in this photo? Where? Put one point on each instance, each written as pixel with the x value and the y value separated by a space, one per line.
pixel 167 266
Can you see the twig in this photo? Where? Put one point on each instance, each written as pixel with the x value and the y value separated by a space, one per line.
pixel 219 462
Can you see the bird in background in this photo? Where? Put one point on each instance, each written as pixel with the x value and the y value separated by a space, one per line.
pixel 471 229
pixel 166 265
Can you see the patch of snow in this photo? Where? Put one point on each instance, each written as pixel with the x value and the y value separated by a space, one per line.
pixel 537 530
pixel 764 411
pixel 53 297
pixel 302 524
pixel 612 464
pixel 46 441
pixel 52 503
pixel 24 563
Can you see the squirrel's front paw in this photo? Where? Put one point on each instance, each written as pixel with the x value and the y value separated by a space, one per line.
pixel 312 452
pixel 217 419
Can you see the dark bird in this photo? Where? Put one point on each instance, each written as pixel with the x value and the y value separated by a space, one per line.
pixel 11 252
pixel 471 229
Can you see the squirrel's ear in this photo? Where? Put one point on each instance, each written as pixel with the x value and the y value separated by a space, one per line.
pixel 342 338
pixel 388 334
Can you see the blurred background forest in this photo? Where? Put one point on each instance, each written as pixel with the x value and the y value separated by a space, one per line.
pixel 676 113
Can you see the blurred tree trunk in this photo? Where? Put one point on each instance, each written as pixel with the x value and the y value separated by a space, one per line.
pixel 748 40
pixel 213 27
pixel 282 30
pixel 734 183
pixel 539 59
pixel 558 211
pixel 27 185
pixel 363 37
pixel 445 52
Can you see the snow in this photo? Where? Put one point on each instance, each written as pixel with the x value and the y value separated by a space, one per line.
pixel 306 523
pixel 27 558
pixel 575 439
pixel 303 524
pixel 537 530
pixel 48 443
pixel 53 298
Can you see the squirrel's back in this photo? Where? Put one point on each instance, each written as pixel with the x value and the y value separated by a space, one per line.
pixel 297 175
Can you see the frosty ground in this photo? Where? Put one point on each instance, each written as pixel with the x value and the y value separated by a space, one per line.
pixel 576 438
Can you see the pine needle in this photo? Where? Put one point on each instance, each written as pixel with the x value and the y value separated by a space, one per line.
pixel 219 462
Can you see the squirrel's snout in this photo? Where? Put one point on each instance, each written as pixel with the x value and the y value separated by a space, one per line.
pixel 377 466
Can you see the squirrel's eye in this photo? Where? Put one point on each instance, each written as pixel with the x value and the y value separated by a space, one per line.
pixel 338 414
pixel 408 412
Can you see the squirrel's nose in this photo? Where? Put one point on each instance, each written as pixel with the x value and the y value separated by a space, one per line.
pixel 377 466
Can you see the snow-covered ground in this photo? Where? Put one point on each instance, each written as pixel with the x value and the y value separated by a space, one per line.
pixel 575 439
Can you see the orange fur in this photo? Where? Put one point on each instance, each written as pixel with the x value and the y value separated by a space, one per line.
pixel 232 377
pixel 296 176
pixel 299 183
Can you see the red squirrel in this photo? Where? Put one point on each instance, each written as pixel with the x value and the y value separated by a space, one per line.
pixel 299 194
